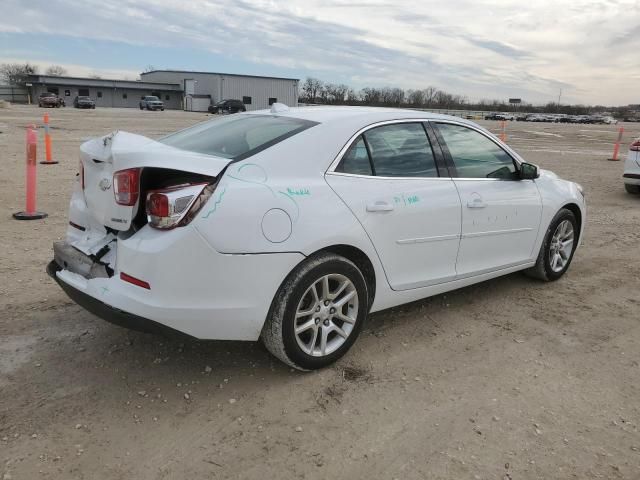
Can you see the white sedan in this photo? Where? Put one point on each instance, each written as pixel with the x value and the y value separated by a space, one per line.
pixel 631 174
pixel 292 225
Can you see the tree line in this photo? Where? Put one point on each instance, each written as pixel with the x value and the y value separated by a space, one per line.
pixel 315 91
pixel 18 73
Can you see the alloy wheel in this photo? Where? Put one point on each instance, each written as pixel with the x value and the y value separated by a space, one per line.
pixel 326 315
pixel 561 246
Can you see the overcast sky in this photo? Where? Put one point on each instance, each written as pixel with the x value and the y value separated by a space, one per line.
pixel 479 48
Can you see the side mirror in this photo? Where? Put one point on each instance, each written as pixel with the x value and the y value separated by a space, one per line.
pixel 528 171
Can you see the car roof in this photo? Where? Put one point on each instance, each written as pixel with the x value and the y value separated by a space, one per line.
pixel 331 114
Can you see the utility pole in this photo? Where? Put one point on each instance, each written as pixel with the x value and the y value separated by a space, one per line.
pixel 559 97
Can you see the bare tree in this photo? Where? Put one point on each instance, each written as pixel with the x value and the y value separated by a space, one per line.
pixel 371 96
pixel 17 73
pixel 415 98
pixel 311 88
pixel 336 94
pixel 352 96
pixel 56 71
pixel 95 76
pixel 149 68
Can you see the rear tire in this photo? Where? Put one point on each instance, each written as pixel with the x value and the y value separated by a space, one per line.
pixel 308 330
pixel 632 189
pixel 557 248
pixel 141 107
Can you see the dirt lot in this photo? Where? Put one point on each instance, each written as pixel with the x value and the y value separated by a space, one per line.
pixel 507 379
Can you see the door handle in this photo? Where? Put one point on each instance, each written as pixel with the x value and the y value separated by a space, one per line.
pixel 379 206
pixel 477 203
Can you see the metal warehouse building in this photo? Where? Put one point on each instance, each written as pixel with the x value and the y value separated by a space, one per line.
pixel 203 88
pixel 106 93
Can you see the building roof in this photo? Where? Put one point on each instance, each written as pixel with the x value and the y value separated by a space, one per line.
pixel 219 73
pixel 103 82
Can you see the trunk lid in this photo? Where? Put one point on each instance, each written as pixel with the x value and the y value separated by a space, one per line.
pixel 102 157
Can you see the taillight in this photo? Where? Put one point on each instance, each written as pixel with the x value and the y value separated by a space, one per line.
pixel 126 186
pixel 176 206
pixel 635 146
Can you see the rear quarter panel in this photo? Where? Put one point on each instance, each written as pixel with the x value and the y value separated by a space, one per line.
pixel 288 177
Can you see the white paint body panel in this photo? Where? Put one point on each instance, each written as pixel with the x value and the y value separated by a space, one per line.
pixel 501 219
pixel 415 225
pixel 216 277
pixel 632 166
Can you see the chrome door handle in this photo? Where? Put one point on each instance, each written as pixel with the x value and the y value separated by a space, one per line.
pixel 379 207
pixel 477 203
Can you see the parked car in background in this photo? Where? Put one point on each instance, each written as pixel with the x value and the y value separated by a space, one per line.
pixel 48 99
pixel 252 226
pixel 228 106
pixel 83 102
pixel 151 102
pixel 536 117
pixel 499 116
pixel 631 174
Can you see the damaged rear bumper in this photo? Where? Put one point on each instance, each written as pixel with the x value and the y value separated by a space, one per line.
pixel 107 312
pixel 192 288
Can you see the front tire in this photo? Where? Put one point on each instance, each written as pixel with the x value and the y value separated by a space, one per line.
pixel 633 189
pixel 318 312
pixel 557 249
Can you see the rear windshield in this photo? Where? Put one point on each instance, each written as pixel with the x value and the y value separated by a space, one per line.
pixel 237 136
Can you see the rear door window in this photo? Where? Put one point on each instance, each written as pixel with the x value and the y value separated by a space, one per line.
pixel 356 160
pixel 238 136
pixel 396 150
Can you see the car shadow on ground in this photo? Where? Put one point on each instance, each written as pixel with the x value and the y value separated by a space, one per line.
pixel 125 350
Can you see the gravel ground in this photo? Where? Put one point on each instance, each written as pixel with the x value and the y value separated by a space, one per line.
pixel 508 379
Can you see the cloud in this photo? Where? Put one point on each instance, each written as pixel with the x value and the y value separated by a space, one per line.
pixel 500 48
pixel 482 49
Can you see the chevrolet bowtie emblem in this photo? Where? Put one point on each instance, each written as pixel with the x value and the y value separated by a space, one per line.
pixel 105 184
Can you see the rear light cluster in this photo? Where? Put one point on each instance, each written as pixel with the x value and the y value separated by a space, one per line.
pixel 176 206
pixel 126 186
pixel 635 146
pixel 166 208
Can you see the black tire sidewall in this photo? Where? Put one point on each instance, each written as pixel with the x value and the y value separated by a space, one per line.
pixel 561 216
pixel 292 350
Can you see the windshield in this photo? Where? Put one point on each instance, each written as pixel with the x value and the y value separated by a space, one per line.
pixel 238 136
pixel 152 99
pixel 47 94
pixel 84 98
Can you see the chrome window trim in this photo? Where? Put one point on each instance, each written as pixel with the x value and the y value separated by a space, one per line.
pixel 379 177
pixel 331 170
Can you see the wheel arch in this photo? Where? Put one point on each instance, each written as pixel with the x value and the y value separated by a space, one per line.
pixel 575 209
pixel 361 260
